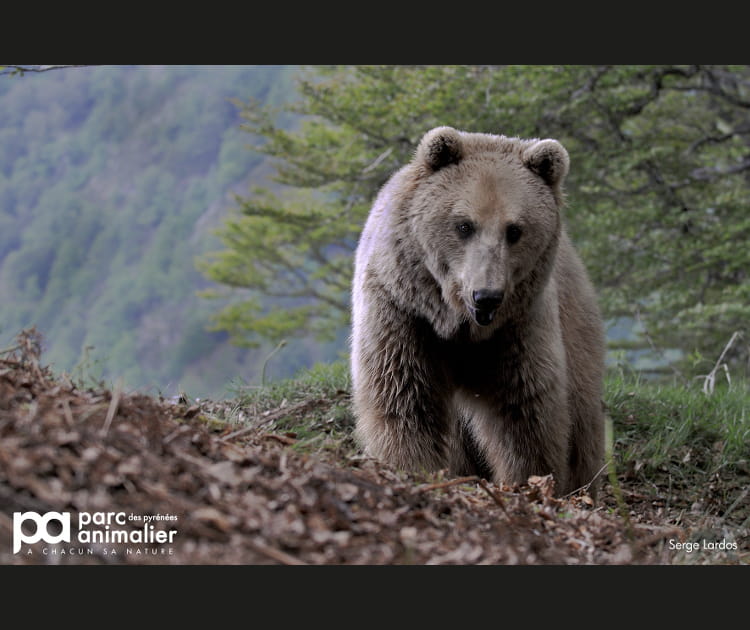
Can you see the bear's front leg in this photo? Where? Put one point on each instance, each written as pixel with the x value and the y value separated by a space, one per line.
pixel 521 417
pixel 399 390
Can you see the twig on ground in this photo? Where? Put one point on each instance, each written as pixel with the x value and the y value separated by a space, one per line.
pixel 460 480
pixel 485 486
pixel 709 380
pixel 280 438
pixel 112 408
pixel 274 415
pixel 585 487
pixel 446 484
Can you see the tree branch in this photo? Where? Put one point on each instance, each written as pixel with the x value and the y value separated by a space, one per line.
pixel 711 174
pixel 21 70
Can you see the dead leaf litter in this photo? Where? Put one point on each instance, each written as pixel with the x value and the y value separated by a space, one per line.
pixel 180 491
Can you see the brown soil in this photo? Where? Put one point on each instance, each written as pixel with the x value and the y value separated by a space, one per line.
pixel 250 497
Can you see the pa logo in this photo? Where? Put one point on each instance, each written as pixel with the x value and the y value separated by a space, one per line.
pixel 41 531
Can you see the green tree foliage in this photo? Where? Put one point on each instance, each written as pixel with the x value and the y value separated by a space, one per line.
pixel 658 191
pixel 294 246
pixel 662 188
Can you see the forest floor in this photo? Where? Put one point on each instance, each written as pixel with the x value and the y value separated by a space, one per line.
pixel 146 480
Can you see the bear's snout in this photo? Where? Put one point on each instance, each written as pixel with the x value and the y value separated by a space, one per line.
pixel 484 304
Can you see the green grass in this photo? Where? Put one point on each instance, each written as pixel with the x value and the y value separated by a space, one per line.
pixel 313 407
pixel 680 453
pixel 679 427
pixel 323 380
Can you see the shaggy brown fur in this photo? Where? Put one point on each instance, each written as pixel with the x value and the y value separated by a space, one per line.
pixel 477 344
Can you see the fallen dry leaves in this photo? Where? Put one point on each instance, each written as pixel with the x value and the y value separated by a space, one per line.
pixel 247 497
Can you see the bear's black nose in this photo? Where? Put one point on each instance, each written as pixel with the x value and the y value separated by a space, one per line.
pixel 487 299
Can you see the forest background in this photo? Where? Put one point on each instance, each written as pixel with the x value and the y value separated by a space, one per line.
pixel 186 228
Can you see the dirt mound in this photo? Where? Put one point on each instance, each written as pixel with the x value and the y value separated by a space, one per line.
pixel 141 480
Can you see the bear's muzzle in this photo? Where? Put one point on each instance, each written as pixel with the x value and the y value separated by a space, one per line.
pixel 485 303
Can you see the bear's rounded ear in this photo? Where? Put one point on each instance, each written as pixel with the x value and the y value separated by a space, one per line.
pixel 548 159
pixel 439 147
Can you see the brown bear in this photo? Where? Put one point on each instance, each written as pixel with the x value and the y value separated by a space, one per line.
pixel 477 344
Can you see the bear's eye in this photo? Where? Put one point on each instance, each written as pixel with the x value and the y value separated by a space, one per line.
pixel 465 229
pixel 513 233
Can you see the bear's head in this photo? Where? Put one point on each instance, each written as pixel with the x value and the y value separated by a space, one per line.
pixel 485 212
